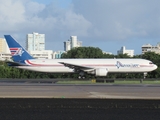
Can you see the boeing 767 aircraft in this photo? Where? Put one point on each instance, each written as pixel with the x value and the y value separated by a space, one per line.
pixel 98 67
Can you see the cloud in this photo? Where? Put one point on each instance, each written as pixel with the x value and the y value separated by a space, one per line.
pixel 33 8
pixel 75 23
pixel 11 13
pixel 120 19
pixel 26 15
pixel 90 20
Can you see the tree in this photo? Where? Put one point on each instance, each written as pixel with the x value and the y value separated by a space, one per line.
pixel 108 55
pixel 122 56
pixel 155 58
pixel 83 52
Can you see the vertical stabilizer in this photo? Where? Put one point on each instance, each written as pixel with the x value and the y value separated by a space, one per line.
pixel 19 54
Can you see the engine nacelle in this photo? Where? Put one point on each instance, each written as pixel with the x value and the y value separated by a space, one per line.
pixel 101 72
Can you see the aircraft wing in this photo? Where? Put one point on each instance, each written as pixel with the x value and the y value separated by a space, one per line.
pixel 77 67
pixel 15 64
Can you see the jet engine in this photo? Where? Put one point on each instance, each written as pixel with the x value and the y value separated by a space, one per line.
pixel 101 72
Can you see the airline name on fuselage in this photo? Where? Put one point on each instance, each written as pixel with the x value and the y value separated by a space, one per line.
pixel 119 64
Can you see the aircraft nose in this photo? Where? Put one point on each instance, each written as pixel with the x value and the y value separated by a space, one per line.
pixel 155 67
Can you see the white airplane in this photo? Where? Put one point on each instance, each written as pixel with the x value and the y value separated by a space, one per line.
pixel 98 67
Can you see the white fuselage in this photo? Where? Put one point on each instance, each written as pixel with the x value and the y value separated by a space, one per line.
pixel 112 65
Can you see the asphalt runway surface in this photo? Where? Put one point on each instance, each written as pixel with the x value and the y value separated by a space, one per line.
pixel 49 90
pixel 42 101
pixel 78 109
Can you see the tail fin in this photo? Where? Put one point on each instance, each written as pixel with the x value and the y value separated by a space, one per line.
pixel 19 54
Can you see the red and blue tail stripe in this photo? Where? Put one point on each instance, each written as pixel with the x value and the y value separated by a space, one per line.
pixel 14 51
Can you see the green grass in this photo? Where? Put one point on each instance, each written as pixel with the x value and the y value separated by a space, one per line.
pixel 75 82
pixel 137 82
pixel 115 82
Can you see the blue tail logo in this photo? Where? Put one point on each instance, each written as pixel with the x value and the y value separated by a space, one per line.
pixel 16 51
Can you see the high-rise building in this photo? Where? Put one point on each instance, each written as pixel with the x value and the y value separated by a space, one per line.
pixel 4 50
pixel 35 42
pixel 67 45
pixel 3 46
pixel 124 51
pixel 73 42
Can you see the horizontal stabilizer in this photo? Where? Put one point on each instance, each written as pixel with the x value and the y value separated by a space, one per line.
pixel 15 64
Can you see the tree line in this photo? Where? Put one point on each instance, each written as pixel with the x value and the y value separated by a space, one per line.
pixel 82 52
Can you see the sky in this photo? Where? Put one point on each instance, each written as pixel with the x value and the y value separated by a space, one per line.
pixel 107 24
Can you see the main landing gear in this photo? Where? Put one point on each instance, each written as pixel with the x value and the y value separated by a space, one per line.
pixel 81 75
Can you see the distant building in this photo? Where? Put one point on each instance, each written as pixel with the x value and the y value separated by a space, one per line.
pixel 43 54
pixel 72 43
pixel 150 48
pixel 104 52
pixel 67 45
pixel 35 42
pixel 57 54
pixel 3 46
pixel 4 50
pixel 124 51
pixel 5 56
pixel 46 54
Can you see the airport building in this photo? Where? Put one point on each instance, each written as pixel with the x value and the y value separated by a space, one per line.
pixel 123 50
pixel 43 54
pixel 5 56
pixel 150 48
pixel 35 42
pixel 72 43
pixel 57 54
pixel 4 50
pixel 104 52
pixel 3 46
pixel 46 54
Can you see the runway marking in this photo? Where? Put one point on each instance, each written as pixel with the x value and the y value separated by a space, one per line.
pixel 101 95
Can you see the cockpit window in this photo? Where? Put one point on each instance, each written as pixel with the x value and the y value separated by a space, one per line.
pixel 150 63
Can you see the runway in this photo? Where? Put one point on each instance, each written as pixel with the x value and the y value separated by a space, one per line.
pixel 103 91
pixel 79 101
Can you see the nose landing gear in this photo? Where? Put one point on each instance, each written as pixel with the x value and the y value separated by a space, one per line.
pixel 144 76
